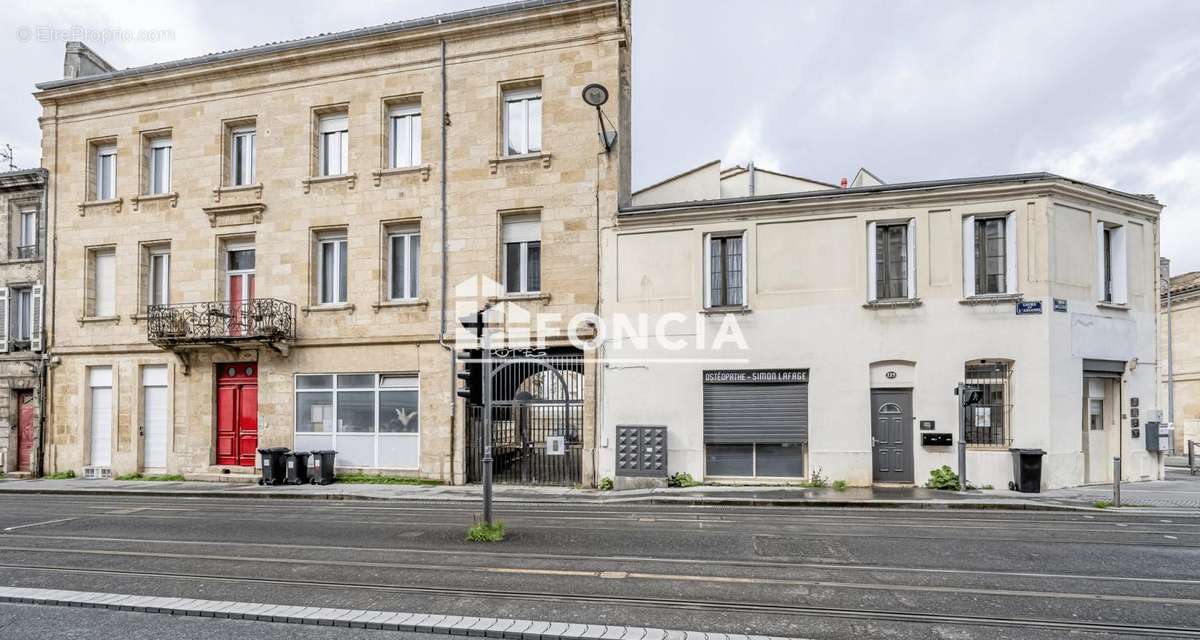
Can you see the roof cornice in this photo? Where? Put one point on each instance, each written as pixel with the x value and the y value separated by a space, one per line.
pixel 897 195
pixel 298 52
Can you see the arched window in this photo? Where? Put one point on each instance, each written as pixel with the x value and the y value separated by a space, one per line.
pixel 890 408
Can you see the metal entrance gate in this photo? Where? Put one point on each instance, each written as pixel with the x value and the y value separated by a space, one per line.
pixel 534 397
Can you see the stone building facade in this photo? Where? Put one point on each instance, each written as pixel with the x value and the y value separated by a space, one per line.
pixel 1184 336
pixel 22 296
pixel 268 246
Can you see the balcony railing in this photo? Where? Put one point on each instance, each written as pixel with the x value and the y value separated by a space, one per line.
pixel 265 320
pixel 27 252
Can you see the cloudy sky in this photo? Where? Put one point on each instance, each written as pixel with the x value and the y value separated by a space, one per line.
pixel 1099 90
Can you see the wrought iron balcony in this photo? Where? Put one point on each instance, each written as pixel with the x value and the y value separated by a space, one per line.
pixel 27 251
pixel 265 320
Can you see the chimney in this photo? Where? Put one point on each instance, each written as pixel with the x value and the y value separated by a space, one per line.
pixel 845 183
pixel 80 61
pixel 750 168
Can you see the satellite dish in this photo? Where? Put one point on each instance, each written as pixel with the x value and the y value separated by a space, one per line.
pixel 595 94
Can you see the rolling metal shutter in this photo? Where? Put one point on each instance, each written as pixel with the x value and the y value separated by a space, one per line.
pixel 745 413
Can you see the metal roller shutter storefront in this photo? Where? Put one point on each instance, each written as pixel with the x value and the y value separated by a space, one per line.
pixel 755 422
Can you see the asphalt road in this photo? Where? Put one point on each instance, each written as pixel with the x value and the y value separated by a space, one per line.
pixel 811 573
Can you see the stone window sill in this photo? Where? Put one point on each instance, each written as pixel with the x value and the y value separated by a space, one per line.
pixel 351 179
pixel 1115 306
pixel 99 319
pixel 495 163
pixel 172 198
pixel 114 203
pixel 893 303
pixel 418 303
pixel 320 308
pixel 1000 298
pixel 544 296
pixel 422 169
pixel 241 188
pixel 716 311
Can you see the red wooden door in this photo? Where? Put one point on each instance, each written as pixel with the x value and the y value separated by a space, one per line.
pixel 24 431
pixel 237 413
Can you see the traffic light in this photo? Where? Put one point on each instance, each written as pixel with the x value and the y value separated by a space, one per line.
pixel 467 373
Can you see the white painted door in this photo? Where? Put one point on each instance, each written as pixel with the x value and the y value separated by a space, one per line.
pixel 154 417
pixel 100 420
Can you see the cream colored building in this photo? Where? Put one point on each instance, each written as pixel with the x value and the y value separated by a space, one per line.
pixel 260 247
pixel 1185 336
pixel 825 330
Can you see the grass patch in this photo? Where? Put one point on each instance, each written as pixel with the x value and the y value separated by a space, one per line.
pixel 839 485
pixel 606 484
pixel 682 479
pixel 367 478
pixel 1102 504
pixel 483 532
pixel 172 477
pixel 61 475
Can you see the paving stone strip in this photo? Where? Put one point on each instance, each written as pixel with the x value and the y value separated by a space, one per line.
pixel 383 620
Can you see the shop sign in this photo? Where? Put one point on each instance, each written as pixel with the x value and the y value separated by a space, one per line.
pixel 756 376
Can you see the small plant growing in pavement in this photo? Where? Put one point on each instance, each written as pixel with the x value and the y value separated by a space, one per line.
pixel 61 475
pixel 606 484
pixel 171 477
pixel 816 480
pixel 681 479
pixel 839 485
pixel 1102 504
pixel 484 532
pixel 371 478
pixel 943 478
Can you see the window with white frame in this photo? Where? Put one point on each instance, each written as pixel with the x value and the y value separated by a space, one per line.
pixel 103 293
pixel 989 255
pixel 890 253
pixel 331 267
pixel 159 168
pixel 404 136
pixel 158 276
pixel 27 233
pixel 725 255
pixel 521 243
pixel 522 121
pixel 105 163
pixel 241 155
pixel 404 260
pixel 1112 268
pixel 371 419
pixel 333 144
pixel 22 313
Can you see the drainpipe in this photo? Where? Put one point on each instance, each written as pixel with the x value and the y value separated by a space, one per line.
pixel 445 258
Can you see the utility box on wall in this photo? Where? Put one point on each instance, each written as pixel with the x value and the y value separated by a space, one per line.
pixel 641 454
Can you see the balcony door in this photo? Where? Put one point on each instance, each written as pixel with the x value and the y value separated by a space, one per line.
pixel 239 291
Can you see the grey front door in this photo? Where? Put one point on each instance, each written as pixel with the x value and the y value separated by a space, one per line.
pixel 891 435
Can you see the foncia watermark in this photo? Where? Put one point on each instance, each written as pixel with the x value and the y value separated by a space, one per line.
pixel 640 336
pixel 78 33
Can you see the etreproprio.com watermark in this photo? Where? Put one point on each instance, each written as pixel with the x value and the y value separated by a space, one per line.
pixel 51 33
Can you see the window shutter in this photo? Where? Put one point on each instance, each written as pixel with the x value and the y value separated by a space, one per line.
pixel 1099 242
pixel 1010 253
pixel 4 320
pixel 968 256
pixel 35 323
pixel 1120 266
pixel 872 273
pixel 912 258
pixel 521 229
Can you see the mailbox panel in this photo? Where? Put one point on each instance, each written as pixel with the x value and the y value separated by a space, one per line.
pixel 937 439
pixel 642 451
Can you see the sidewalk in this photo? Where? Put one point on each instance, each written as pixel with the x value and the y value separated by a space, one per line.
pixel 1179 491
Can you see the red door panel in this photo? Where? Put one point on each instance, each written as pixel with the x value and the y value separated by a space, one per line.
pixel 25 432
pixel 237 414
pixel 247 424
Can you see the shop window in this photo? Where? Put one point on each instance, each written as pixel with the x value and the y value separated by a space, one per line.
pixel 371 420
pixel 986 423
